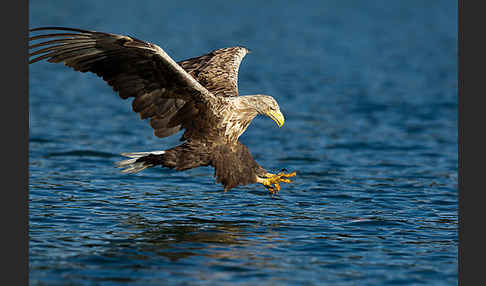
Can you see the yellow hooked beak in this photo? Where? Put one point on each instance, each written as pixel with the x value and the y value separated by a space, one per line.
pixel 278 117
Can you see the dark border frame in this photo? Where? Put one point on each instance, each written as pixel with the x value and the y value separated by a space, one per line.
pixel 15 143
pixel 470 254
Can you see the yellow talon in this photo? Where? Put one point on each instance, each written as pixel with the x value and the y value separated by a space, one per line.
pixel 272 181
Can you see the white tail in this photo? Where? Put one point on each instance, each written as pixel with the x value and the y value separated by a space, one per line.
pixel 131 166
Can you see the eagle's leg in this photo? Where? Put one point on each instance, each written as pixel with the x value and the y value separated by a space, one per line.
pixel 272 181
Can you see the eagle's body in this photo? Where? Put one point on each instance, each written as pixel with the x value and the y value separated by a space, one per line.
pixel 197 95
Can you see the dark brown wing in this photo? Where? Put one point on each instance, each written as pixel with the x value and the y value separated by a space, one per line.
pixel 218 70
pixel 133 68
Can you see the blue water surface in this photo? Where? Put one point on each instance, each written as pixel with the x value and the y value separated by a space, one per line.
pixel 369 92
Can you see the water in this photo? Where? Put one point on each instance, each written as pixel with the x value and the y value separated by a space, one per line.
pixel 369 91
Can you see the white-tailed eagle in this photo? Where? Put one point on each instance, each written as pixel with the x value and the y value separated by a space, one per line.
pixel 197 95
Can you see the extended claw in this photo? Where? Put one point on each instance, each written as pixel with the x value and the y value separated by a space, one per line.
pixel 272 181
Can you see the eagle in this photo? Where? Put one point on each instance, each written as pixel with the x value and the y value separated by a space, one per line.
pixel 197 95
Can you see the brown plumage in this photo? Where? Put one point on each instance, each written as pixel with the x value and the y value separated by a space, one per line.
pixel 197 95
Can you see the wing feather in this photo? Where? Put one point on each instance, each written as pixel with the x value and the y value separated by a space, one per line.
pixel 217 71
pixel 134 68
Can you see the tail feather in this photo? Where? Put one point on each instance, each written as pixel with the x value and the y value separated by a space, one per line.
pixel 132 166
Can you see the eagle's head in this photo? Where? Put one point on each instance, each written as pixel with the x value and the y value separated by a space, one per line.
pixel 268 106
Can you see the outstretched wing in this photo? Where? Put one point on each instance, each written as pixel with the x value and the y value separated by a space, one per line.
pixel 134 68
pixel 218 70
